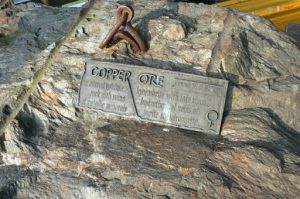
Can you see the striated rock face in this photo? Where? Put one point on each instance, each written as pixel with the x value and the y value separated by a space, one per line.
pixel 27 37
pixel 51 149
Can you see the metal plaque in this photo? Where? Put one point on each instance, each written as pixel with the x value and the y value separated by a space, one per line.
pixel 161 96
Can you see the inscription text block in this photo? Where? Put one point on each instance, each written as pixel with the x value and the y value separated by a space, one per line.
pixel 161 96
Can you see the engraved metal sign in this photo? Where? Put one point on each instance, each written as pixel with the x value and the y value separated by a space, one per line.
pixel 160 96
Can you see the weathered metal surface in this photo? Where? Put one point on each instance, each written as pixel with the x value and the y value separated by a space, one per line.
pixel 124 17
pixel 161 96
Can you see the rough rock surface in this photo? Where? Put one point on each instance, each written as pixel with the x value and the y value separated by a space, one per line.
pixel 27 37
pixel 52 149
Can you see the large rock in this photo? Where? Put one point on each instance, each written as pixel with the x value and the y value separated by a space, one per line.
pixel 52 149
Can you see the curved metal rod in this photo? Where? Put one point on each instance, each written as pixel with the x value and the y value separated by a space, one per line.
pixel 125 9
pixel 114 30
pixel 124 17
pixel 136 36
pixel 129 39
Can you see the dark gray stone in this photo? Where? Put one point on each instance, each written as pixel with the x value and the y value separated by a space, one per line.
pixel 38 29
pixel 294 31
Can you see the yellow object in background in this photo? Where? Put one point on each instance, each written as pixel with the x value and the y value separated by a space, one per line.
pixel 279 12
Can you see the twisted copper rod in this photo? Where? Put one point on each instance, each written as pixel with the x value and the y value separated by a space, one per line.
pixel 124 17
pixel 129 39
pixel 136 36
pixel 113 31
